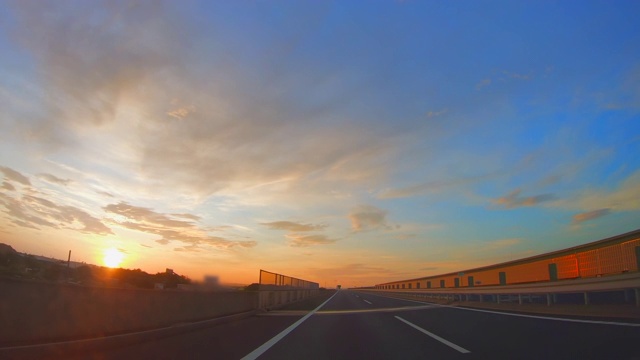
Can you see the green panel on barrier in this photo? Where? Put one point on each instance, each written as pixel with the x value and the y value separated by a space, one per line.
pixel 638 257
pixel 553 272
pixel 428 284
pixel 441 283
pixel 456 281
pixel 503 277
pixel 470 281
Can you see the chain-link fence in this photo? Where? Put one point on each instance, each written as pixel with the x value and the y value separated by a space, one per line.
pixel 273 279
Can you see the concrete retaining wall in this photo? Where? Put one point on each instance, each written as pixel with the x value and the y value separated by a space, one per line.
pixel 38 312
pixel 271 299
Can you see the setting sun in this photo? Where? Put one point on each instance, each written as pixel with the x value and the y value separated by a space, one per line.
pixel 112 257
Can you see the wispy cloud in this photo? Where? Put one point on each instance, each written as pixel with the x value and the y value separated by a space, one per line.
pixel 483 83
pixel 623 197
pixel 303 240
pixel 499 244
pixel 432 114
pixel 590 215
pixel 168 227
pixel 368 217
pixel 514 200
pixel 293 226
pixel 54 180
pixel 35 212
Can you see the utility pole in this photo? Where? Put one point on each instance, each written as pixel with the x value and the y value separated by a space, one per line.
pixel 68 264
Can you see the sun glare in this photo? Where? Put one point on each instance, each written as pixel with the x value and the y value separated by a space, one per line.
pixel 112 257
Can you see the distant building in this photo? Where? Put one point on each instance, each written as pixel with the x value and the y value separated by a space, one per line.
pixel 211 281
pixel 169 271
pixel 158 286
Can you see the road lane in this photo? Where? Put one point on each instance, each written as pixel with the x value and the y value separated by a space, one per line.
pixel 495 335
pixel 358 325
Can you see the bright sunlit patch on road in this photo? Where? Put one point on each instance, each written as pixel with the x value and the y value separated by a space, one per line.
pixel 112 257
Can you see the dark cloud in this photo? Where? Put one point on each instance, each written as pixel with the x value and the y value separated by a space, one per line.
pixel 366 217
pixel 54 180
pixel 293 226
pixel 13 175
pixel 590 215
pixel 300 240
pixel 8 186
pixel 514 200
pixel 168 227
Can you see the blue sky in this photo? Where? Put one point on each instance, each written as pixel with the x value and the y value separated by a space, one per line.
pixel 340 142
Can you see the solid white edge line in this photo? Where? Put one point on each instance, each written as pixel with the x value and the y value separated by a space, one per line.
pixel 368 302
pixel 266 346
pixel 444 341
pixel 547 317
pixel 520 315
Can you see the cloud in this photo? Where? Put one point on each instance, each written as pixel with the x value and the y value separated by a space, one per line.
pixel 495 245
pixel 92 57
pixel 104 193
pixel 35 212
pixel 483 83
pixel 429 268
pixel 106 68
pixel 590 215
pixel 13 175
pixel 356 270
pixel 168 227
pixel 367 217
pixel 432 114
pixel 624 197
pixel 518 76
pixel 514 200
pixel 301 240
pixel 8 186
pixel 188 216
pixel 293 226
pixel 54 180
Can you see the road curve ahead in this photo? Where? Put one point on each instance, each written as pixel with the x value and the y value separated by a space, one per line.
pixel 355 325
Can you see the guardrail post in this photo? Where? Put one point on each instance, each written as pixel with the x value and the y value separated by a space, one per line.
pixel 548 299
pixel 586 298
pixel 637 291
pixel 498 298
pixel 520 299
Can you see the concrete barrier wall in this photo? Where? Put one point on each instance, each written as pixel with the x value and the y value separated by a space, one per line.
pixel 271 299
pixel 40 312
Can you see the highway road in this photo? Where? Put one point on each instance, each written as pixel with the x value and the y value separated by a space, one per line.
pixel 354 325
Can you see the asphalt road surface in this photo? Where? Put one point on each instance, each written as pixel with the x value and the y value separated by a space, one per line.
pixel 354 325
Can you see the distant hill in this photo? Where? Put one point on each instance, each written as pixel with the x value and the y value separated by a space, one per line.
pixel 6 249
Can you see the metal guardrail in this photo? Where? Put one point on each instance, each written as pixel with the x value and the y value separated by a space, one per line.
pixel 628 282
